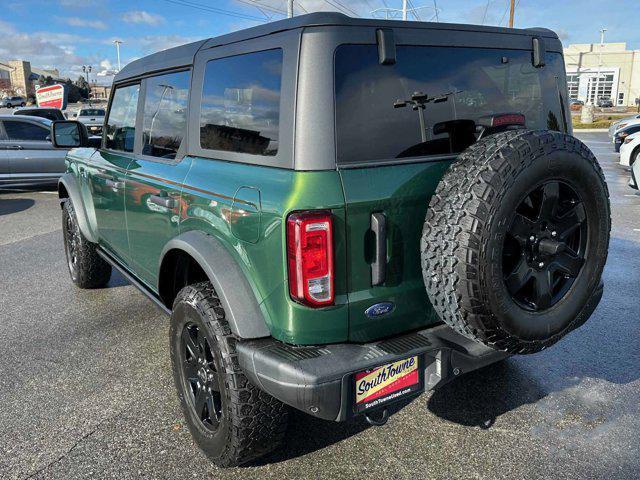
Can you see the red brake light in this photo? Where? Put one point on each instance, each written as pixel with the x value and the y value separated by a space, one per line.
pixel 508 119
pixel 310 257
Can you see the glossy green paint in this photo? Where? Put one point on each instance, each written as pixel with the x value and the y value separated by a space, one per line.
pixel 233 201
pixel 245 207
pixel 401 193
pixel 105 178
pixel 150 225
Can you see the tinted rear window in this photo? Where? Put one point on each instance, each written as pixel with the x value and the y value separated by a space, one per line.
pixel 464 85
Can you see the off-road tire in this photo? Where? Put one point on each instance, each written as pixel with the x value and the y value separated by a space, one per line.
pixel 88 270
pixel 252 423
pixel 464 233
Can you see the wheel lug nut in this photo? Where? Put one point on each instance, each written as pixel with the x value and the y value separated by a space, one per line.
pixel 541 264
pixel 532 238
pixel 554 233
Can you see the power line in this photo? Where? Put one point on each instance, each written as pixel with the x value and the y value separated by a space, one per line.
pixel 486 9
pixel 340 6
pixel 414 10
pixel 206 8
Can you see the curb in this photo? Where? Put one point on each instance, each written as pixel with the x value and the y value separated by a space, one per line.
pixel 589 130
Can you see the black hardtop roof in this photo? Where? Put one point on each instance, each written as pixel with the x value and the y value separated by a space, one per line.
pixel 184 54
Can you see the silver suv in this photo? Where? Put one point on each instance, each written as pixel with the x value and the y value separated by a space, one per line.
pixel 13 102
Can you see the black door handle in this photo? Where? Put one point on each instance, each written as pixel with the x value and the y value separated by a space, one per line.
pixel 379 264
pixel 166 202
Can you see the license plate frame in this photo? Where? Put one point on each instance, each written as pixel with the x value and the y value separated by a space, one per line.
pixel 408 383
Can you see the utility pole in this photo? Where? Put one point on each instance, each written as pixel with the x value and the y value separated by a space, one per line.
pixel 404 9
pixel 290 8
pixel 512 13
pixel 595 96
pixel 118 42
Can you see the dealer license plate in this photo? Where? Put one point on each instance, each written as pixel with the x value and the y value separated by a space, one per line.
pixel 387 383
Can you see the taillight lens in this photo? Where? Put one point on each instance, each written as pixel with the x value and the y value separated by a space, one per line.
pixel 629 140
pixel 310 257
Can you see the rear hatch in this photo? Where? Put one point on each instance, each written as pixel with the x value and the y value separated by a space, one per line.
pixel 398 128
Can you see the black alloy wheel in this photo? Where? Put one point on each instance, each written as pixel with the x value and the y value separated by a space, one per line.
pixel 545 246
pixel 201 376
pixel 72 245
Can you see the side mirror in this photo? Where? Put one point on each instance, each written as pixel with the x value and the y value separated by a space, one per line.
pixel 69 134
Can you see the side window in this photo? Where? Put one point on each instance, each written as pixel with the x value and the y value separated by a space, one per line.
pixel 17 130
pixel 121 125
pixel 240 108
pixel 165 114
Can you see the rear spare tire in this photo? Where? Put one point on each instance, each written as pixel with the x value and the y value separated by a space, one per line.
pixel 516 238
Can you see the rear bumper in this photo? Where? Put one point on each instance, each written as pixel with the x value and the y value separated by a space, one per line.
pixel 319 380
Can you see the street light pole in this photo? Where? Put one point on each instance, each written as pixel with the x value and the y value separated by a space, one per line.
pixel 599 64
pixel 511 13
pixel 118 42
pixel 404 9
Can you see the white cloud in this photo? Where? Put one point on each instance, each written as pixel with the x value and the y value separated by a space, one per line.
pixel 140 16
pixel 82 22
pixel 42 49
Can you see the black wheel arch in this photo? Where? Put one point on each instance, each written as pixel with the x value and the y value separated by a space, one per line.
pixel 194 256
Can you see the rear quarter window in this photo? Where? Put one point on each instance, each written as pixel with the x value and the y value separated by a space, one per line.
pixel 463 84
pixel 240 108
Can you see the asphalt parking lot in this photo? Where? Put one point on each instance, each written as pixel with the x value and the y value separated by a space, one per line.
pixel 86 388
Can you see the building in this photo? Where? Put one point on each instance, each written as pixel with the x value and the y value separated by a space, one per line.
pixel 100 92
pixel 619 72
pixel 18 76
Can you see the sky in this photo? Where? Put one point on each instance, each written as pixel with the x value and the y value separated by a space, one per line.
pixel 67 34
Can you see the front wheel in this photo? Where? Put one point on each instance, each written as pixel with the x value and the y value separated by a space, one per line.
pixel 86 267
pixel 231 420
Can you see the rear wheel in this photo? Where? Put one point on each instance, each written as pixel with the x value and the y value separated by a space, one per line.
pixel 516 238
pixel 231 420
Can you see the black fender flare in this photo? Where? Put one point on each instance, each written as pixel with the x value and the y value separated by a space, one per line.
pixel 69 183
pixel 236 295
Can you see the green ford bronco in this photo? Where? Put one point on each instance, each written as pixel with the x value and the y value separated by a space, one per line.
pixel 339 214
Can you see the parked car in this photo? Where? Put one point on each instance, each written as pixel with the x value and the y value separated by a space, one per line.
pixel 43 112
pixel 27 155
pixel 604 103
pixel 10 102
pixel 575 101
pixel 630 149
pixel 620 124
pixel 325 230
pixel 623 133
pixel 93 118
pixel 635 174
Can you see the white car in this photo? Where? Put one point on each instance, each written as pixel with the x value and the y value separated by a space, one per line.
pixel 635 175
pixel 630 149
pixel 625 122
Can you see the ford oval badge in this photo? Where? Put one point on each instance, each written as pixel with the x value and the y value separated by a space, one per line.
pixel 379 309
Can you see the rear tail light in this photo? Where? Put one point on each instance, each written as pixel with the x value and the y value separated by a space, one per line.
pixel 310 257
pixel 629 140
